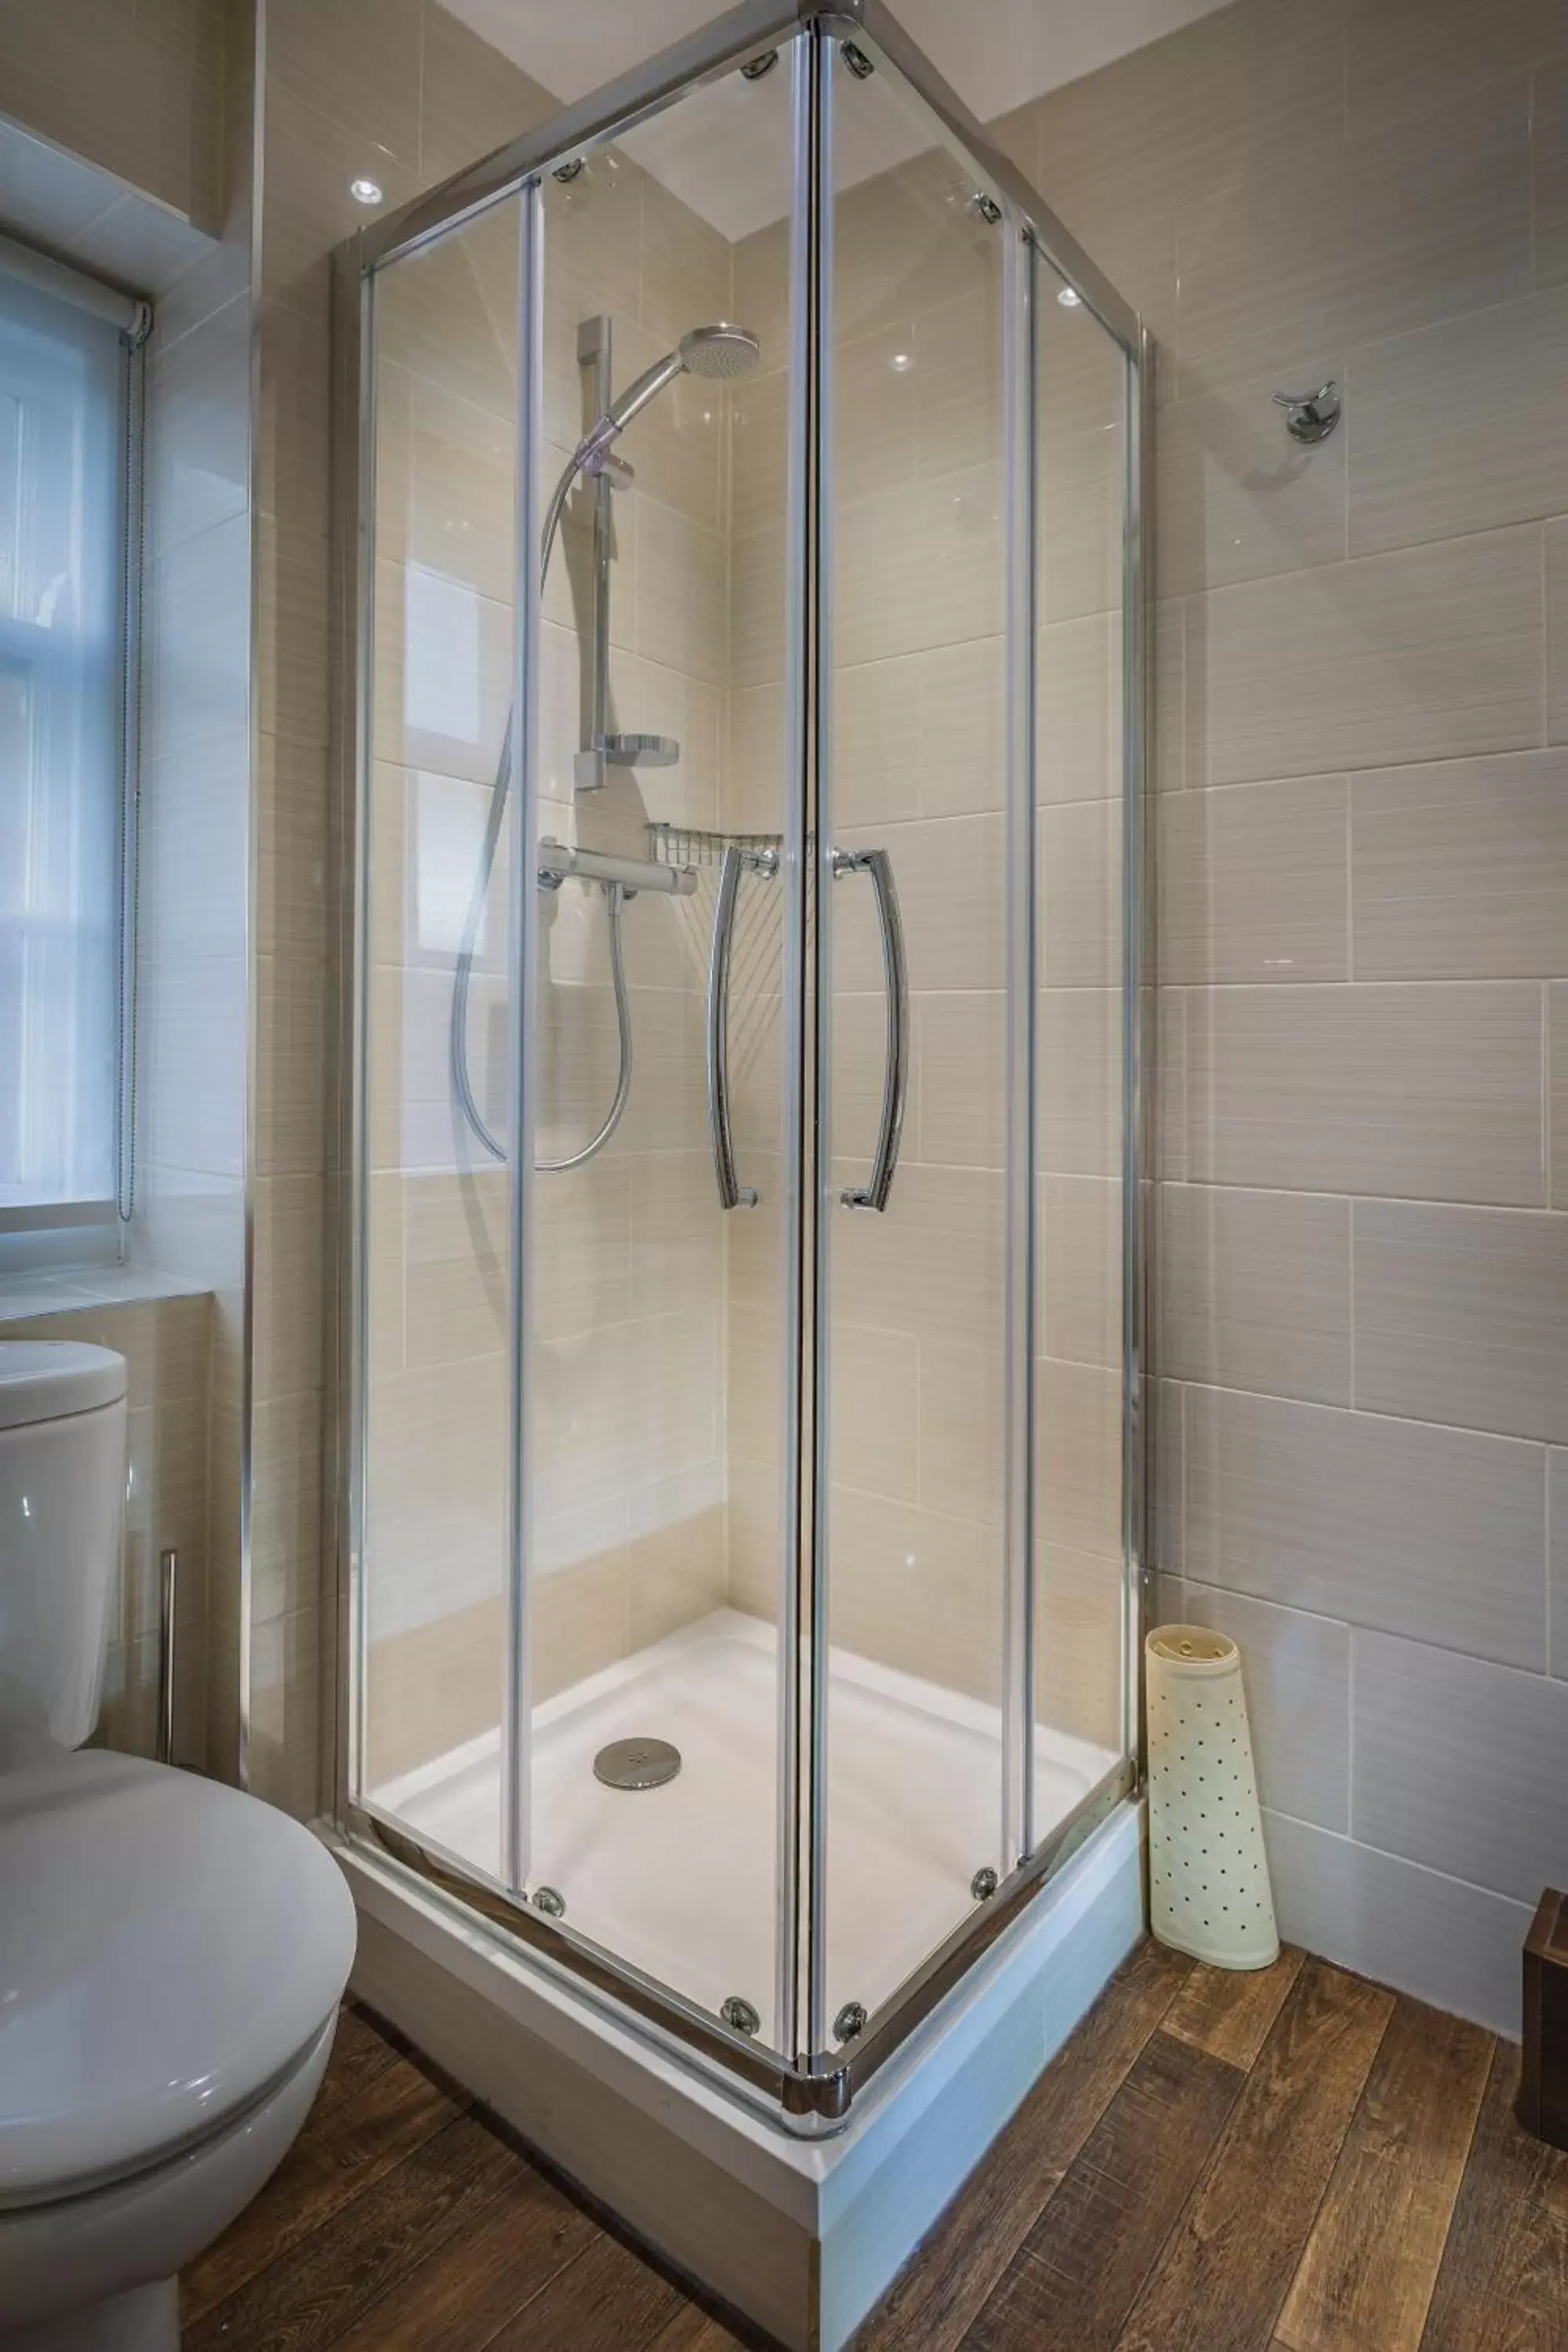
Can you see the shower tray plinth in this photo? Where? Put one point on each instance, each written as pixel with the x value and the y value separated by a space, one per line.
pixel 800 2234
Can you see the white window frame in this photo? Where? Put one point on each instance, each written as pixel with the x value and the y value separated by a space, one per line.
pixel 25 1226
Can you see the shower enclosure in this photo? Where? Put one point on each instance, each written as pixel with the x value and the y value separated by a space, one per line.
pixel 742 1416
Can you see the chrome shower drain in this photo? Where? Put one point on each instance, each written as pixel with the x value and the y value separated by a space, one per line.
pixel 636 1763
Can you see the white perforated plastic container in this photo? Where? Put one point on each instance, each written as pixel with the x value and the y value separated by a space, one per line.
pixel 1208 1876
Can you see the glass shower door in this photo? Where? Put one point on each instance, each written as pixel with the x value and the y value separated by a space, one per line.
pixel 914 1198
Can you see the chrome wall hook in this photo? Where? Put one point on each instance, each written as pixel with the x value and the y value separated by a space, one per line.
pixel 1311 416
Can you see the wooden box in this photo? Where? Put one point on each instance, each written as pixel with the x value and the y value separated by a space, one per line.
pixel 1543 2083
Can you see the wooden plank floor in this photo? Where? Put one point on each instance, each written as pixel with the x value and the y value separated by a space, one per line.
pixel 1294 2161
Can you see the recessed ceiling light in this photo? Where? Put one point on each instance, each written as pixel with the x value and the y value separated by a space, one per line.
pixel 365 192
pixel 900 363
pixel 1069 300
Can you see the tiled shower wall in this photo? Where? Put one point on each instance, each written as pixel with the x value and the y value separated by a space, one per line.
pixel 1361 844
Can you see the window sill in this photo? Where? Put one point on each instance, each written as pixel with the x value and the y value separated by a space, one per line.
pixel 67 1291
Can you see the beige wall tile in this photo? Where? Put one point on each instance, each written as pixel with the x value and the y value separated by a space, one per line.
pixel 432 1688
pixel 1455 426
pixel 1168 744
pixel 581 1621
pixel 877 741
pixel 1432 653
pixel 681 610
pixel 1078 1248
pixel 1557 1091
pixel 956 380
pixel 1170 1083
pixel 291 1098
pixel 455 1266
pixel 358 61
pixel 951 883
pixel 472 100
pixel 285 1748
pixel 961 1062
pixel 593 233
pixel 931 1265
pixel 1228 104
pixel 1235 497
pixel 436 1493
pixel 1405 58
pixel 1449 1944
pixel 860 1074
pixel 286 1327
pixel 447 315
pixel 1557 1564
pixel 1377 1521
pixel 876 1442
pixel 1460 871
pixel 1255 1290
pixel 1557 631
pixel 1080 1081
pixel 685 278
pixel 1413 225
pixel 442 676
pixel 1252 883
pixel 1078 1452
pixel 292 682
pixel 1077 1645
pixel 1296 1670
pixel 1166 1543
pixel 1549 147
pixel 446 483
pixel 1426 1091
pixel 198 454
pixel 1080 897
pixel 1460 1314
pixel 963 724
pixel 757 607
pixel 908 559
pixel 917 1593
pixel 962 1431
pixel 1456 1764
pixel 311 161
pixel 676 1568
pixel 285 1506
pixel 1078 692
pixel 677 1231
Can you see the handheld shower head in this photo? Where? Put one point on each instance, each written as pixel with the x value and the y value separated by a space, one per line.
pixel 721 352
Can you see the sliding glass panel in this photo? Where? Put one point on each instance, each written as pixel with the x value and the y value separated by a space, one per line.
pixel 915 1213
pixel 437 1272
pixel 652 1529
pixel 1078 1614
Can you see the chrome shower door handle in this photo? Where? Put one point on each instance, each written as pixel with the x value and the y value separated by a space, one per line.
pixel 873 1193
pixel 732 1193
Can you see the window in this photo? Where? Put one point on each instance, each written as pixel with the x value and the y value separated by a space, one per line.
pixel 65 381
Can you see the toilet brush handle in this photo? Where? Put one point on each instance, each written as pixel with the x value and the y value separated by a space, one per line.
pixel 168 1565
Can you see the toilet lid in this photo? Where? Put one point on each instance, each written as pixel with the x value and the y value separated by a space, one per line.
pixel 168 1949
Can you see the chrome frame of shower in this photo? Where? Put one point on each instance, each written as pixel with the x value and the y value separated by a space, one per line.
pixel 812 2085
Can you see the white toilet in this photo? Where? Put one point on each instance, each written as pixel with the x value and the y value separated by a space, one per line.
pixel 172 1953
